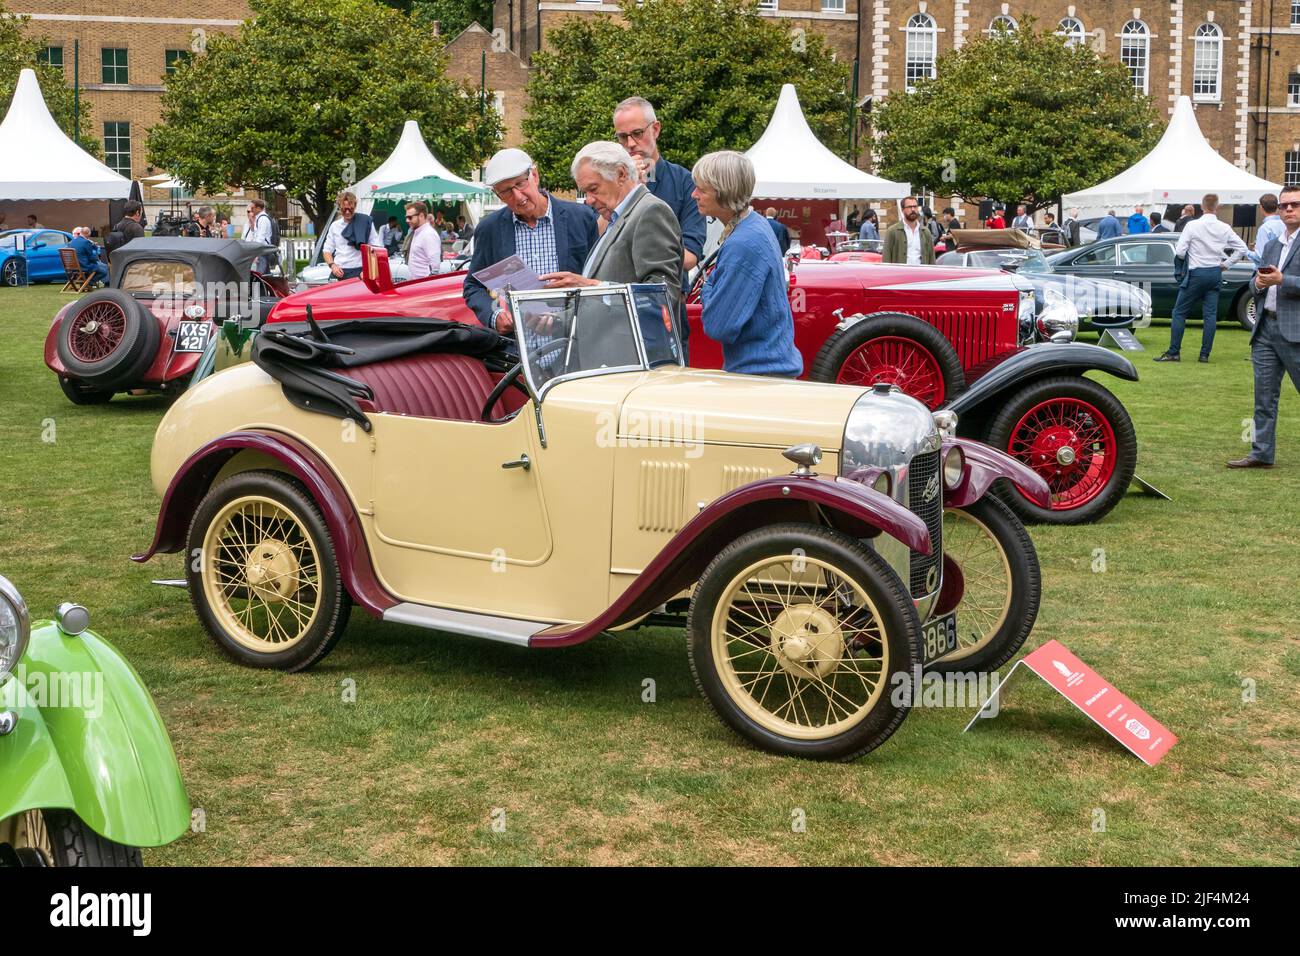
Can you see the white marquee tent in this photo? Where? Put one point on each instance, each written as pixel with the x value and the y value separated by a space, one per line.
pixel 410 159
pixel 37 161
pixel 1181 168
pixel 791 162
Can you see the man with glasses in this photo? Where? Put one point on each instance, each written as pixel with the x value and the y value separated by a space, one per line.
pixel 906 242
pixel 547 234
pixel 426 249
pixel 637 130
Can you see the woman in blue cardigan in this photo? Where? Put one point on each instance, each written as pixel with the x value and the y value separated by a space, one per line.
pixel 746 308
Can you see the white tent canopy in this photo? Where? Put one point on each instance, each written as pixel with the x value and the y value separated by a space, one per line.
pixel 1181 168
pixel 791 163
pixel 410 159
pixel 37 161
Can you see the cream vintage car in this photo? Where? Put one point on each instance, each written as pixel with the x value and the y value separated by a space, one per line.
pixel 819 543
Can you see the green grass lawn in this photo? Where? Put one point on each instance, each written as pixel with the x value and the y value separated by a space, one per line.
pixel 1198 596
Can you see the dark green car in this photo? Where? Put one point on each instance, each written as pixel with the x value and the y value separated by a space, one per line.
pixel 1147 260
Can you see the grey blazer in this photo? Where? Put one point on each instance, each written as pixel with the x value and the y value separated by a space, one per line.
pixel 643 245
pixel 1288 293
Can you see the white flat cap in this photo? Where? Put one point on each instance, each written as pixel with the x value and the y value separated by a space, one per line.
pixel 507 164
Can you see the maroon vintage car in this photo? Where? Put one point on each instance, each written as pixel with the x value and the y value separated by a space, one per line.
pixel 148 329
pixel 955 338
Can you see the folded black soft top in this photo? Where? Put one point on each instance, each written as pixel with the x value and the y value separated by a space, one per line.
pixel 302 356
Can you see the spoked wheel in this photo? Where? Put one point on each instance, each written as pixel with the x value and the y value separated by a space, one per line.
pixel 1246 310
pixel 107 340
pixel 1078 437
pixel 98 331
pixel 266 583
pixel 60 838
pixel 10 274
pixel 796 633
pixel 895 349
pixel 991 579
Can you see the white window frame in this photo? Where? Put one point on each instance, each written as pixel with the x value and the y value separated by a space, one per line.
pixel 1002 20
pixel 833 6
pixel 1071 30
pixel 1291 168
pixel 1135 53
pixel 1293 89
pixel 921 31
pixel 767 6
pixel 1295 13
pixel 1207 63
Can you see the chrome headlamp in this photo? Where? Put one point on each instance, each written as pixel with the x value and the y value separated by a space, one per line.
pixel 1059 321
pixel 15 628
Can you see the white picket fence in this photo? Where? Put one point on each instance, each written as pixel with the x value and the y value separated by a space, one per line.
pixel 291 250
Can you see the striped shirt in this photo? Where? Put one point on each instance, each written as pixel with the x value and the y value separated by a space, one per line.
pixel 535 245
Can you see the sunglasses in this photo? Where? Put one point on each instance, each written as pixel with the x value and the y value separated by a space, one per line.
pixel 1288 205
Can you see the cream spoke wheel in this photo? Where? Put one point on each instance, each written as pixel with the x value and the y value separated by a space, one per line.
pixel 987 583
pixel 31 834
pixel 787 635
pixel 260 574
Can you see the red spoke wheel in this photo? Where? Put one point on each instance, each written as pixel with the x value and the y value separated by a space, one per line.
pixel 896 349
pixel 107 341
pixel 1077 436
pixel 97 332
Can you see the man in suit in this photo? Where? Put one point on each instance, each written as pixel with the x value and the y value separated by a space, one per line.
pixel 778 229
pixel 907 241
pixel 88 254
pixel 643 242
pixel 1275 343
pixel 548 234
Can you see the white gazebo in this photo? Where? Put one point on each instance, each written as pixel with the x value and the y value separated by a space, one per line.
pixel 410 159
pixel 792 163
pixel 1181 168
pixel 44 172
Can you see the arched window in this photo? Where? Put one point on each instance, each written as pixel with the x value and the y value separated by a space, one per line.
pixel 922 41
pixel 1071 29
pixel 1134 51
pixel 1001 24
pixel 1207 62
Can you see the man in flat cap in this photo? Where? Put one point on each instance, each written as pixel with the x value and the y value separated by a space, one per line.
pixel 548 234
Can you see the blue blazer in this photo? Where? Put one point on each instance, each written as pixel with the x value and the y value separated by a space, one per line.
pixel 782 234
pixel 494 240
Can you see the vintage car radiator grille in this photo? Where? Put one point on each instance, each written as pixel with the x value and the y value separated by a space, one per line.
pixel 922 477
pixel 976 334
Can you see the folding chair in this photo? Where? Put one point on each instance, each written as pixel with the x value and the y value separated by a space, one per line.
pixel 79 280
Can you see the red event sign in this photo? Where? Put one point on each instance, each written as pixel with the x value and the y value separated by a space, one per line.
pixel 1078 683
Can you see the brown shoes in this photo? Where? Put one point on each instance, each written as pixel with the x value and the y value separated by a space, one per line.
pixel 1249 462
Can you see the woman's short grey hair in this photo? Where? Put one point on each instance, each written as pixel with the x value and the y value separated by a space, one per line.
pixel 730 175
pixel 606 158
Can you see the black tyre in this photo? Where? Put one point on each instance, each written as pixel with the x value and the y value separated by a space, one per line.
pixel 262 573
pixel 108 340
pixel 1078 437
pixel 1244 309
pixel 991 579
pixel 895 348
pixel 80 394
pixel 60 838
pixel 9 273
pixel 796 634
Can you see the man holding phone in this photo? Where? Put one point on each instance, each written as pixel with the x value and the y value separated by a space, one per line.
pixel 1275 343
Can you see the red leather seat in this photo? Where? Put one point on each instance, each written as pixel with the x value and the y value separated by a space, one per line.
pixel 428 385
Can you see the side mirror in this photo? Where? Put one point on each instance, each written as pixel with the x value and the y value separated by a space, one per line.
pixel 375 271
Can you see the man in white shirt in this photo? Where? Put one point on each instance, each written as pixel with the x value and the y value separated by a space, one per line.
pixel 258 229
pixel 347 234
pixel 425 254
pixel 1023 220
pixel 1203 243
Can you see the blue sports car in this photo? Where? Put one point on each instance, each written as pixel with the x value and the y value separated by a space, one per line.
pixel 41 253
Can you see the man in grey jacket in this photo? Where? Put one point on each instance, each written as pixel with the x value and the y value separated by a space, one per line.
pixel 642 243
pixel 1275 343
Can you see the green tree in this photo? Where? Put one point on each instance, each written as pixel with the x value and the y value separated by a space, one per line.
pixel 313 94
pixel 1017 115
pixel 712 68
pixel 18 52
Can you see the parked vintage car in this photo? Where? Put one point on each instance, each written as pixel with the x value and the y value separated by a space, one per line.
pixel 1147 260
pixel 974 342
pixel 87 772
pixel 1101 303
pixel 796 530
pixel 39 255
pixel 859 250
pixel 148 328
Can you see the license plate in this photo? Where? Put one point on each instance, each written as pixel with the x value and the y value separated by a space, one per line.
pixel 938 637
pixel 192 336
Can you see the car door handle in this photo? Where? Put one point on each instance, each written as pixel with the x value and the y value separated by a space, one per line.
pixel 521 462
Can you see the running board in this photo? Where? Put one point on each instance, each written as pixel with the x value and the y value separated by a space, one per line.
pixel 508 630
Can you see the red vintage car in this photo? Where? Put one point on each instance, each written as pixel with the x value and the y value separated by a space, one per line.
pixel 148 329
pixel 957 338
